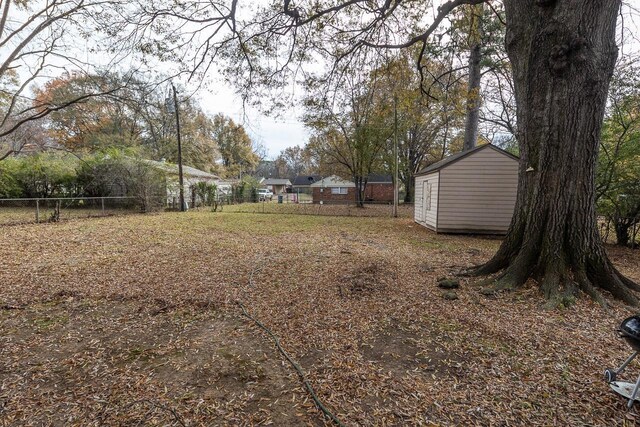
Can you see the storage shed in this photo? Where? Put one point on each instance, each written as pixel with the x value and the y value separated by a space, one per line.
pixel 469 192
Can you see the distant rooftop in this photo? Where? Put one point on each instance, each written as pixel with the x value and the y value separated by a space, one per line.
pixel 186 170
pixel 333 181
pixel 276 181
pixel 306 180
pixel 379 179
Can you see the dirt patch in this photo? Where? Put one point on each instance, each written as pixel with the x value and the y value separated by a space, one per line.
pixel 366 280
pixel 89 362
pixel 401 352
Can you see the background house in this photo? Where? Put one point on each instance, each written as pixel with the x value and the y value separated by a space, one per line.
pixel 470 192
pixel 191 177
pixel 302 183
pixel 333 189
pixel 225 186
pixel 379 189
pixel 277 185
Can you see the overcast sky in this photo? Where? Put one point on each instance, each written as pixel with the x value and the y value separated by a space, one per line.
pixel 275 134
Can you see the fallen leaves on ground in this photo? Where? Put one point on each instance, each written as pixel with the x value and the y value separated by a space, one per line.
pixel 133 321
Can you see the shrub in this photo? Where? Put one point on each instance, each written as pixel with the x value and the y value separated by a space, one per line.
pixel 117 173
pixel 9 186
pixel 46 175
pixel 246 190
pixel 206 193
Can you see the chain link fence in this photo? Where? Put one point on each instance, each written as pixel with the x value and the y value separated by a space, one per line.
pixel 40 210
pixel 22 211
pixel 292 206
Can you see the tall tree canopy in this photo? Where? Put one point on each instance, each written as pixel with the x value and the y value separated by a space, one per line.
pixel 236 147
pixel 350 127
pixel 294 161
pixel 427 126
pixel 135 115
pixel 39 37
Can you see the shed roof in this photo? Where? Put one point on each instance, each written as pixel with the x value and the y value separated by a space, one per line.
pixel 186 170
pixel 461 155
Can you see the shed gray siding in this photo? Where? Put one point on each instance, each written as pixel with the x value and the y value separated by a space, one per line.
pixel 478 193
pixel 423 216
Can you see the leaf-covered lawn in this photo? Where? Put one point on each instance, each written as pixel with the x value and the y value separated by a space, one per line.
pixel 133 321
pixel 333 209
pixel 27 214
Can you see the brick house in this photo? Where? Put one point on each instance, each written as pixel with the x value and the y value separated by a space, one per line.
pixel 333 189
pixel 379 189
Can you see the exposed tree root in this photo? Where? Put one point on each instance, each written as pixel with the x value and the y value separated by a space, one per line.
pixel 626 281
pixel 603 275
pixel 561 277
pixel 587 287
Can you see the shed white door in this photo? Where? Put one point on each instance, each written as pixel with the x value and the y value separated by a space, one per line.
pixel 426 198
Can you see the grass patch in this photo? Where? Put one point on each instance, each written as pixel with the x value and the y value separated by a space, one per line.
pixel 48 322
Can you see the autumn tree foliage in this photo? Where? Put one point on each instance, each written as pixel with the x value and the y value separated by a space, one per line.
pixel 349 127
pixel 235 145
pixel 39 38
pixel 429 127
pixel 294 161
pixel 88 124
pixel 135 115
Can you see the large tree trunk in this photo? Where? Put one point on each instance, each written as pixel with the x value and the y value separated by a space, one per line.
pixel 563 54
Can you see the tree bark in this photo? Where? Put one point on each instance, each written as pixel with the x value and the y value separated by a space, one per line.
pixel 361 185
pixel 563 53
pixel 473 90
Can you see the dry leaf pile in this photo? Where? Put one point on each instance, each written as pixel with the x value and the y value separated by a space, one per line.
pixel 133 321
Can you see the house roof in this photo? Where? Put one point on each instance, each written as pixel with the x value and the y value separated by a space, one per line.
pixel 461 155
pixel 276 181
pixel 379 179
pixel 186 170
pixel 305 180
pixel 333 181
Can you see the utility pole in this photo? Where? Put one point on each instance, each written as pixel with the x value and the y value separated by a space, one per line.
pixel 180 176
pixel 395 156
